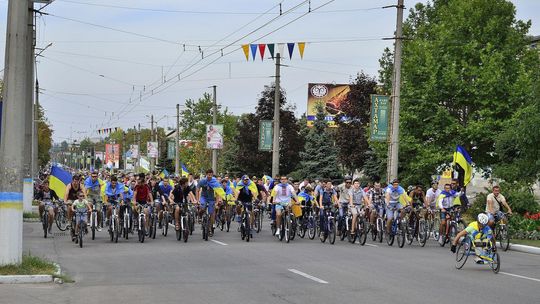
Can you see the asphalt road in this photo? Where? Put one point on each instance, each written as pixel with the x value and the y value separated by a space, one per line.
pixel 228 270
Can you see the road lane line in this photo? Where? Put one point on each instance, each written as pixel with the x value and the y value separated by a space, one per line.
pixel 218 242
pixel 371 245
pixel 519 276
pixel 305 275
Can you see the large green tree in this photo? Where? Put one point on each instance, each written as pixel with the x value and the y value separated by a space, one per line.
pixel 44 138
pixel 464 73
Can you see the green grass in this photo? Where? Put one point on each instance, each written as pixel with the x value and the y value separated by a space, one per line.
pixel 30 265
pixel 535 243
pixel 35 203
pixel 30 215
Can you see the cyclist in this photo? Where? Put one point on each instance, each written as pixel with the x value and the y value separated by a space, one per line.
pixel 142 196
pixel 164 191
pixel 393 205
pixel 207 197
pixel 282 194
pixel 418 200
pixel 478 231
pixel 327 198
pixel 445 202
pixel 93 193
pixel 114 194
pixel 71 193
pixel 306 199
pixel 46 196
pixel 179 198
pixel 357 198
pixel 246 193
pixel 83 206
pixel 376 202
pixel 344 199
pixel 493 206
pixel 431 196
pixel 127 197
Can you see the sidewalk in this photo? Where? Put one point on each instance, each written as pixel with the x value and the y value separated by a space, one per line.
pixel 524 248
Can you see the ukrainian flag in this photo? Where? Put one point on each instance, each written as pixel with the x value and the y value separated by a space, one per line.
pixel 463 162
pixel 164 173
pixel 185 171
pixel 58 180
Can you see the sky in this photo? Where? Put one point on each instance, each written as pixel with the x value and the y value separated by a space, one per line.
pixel 105 55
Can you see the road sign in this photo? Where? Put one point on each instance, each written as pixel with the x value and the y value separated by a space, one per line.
pixel 379 117
pixel 265 135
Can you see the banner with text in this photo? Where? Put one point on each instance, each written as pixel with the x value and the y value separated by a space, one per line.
pixel 379 117
pixel 266 135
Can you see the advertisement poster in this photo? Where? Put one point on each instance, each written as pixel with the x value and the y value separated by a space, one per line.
pixel 112 155
pixel 330 96
pixel 265 135
pixel 152 149
pixel 133 151
pixel 100 156
pixel 171 150
pixel 379 117
pixel 214 136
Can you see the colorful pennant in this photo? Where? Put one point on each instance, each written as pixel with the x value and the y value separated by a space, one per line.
pixel 245 47
pixel 301 47
pixel 253 50
pixel 290 46
pixel 107 130
pixel 261 47
pixel 271 49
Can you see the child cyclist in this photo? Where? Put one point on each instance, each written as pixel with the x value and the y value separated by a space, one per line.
pixel 479 232
pixel 80 207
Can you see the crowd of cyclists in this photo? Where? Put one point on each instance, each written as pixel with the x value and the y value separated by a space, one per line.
pixel 127 203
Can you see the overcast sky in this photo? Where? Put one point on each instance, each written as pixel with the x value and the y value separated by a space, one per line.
pixel 92 71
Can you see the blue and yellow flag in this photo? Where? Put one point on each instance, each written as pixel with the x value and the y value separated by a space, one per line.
pixel 463 161
pixel 58 180
pixel 164 173
pixel 185 171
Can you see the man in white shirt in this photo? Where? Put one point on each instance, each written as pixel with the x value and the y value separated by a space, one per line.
pixel 431 196
pixel 282 193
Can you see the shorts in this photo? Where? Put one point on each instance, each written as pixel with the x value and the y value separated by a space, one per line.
pixel 495 217
pixel 443 214
pixel 380 209
pixel 280 205
pixel 392 210
pixel 247 205
pixel 211 205
pixel 81 215
pixel 355 210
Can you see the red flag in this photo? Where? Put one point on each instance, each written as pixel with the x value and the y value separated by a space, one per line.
pixel 262 48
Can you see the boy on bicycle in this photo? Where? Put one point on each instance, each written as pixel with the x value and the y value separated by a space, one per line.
pixel 81 207
pixel 479 232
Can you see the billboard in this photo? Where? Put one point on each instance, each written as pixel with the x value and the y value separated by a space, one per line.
pixel 380 113
pixel 112 155
pixel 214 136
pixel 133 151
pixel 330 96
pixel 171 150
pixel 265 135
pixel 152 149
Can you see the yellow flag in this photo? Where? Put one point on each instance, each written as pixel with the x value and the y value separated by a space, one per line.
pixel 245 47
pixel 301 47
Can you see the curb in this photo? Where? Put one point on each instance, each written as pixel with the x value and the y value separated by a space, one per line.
pixel 525 248
pixel 18 279
pixel 30 220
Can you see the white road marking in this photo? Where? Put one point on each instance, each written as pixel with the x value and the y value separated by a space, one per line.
pixel 371 245
pixel 519 276
pixel 218 242
pixel 305 275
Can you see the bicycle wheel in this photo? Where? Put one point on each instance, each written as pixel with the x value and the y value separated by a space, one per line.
pixel 409 231
pixel 380 230
pixel 495 263
pixel 142 232
pixel 462 253
pixel 435 228
pixel 205 228
pixel 93 222
pixel 116 229
pixel 248 227
pixel 361 231
pixel 185 230
pixel 311 229
pixel 343 228
pixel 302 228
pixel 390 236
pixel 282 229
pixel 293 226
pixel 61 220
pixel 179 232
pixel 401 234
pixel 154 226
pixel 45 222
pixel 81 232
pixel 452 232
pixel 258 221
pixel 287 227
pixel 423 228
pixel 503 238
pixel 332 231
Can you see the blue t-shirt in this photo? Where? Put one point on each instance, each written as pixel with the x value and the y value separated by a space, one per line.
pixel 207 193
pixel 165 190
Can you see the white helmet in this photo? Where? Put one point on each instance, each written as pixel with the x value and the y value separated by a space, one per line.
pixel 483 218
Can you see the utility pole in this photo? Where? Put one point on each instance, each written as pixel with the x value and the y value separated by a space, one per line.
pixel 139 144
pixel 152 160
pixel 124 158
pixel 13 133
pixel 277 106
pixel 177 142
pixel 214 122
pixel 393 149
pixel 28 104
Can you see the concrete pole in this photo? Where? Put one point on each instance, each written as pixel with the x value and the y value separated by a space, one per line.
pixel 396 88
pixel 277 107
pixel 140 149
pixel 214 121
pixel 177 142
pixel 13 133
pixel 124 158
pixel 28 190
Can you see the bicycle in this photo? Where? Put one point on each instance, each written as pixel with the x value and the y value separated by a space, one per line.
pixel 257 216
pixel 453 217
pixel 501 231
pixel 93 219
pixel 245 226
pixel 185 219
pixel 191 218
pixel 141 221
pixel 126 223
pixel 417 227
pixel 205 223
pixel 361 227
pixel 377 232
pixel 288 229
pixel 114 222
pixel 328 228
pixel 81 214
pixel 345 224
pixel 61 216
pixel 152 228
pixel 396 229
pixel 488 253
pixel 166 219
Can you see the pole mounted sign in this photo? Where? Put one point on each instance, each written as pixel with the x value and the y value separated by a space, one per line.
pixel 265 135
pixel 379 117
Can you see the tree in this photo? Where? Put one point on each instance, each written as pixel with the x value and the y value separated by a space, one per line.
pixel 249 158
pixel 44 138
pixel 319 156
pixel 464 68
pixel 351 133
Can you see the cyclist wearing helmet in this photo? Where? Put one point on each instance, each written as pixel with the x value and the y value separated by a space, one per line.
pixel 476 231
pixel 393 206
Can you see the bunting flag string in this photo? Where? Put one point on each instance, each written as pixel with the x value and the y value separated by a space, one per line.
pixel 107 130
pixel 251 49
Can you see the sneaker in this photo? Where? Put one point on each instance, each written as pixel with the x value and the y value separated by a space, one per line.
pixel 278 231
pixel 99 228
pixel 478 260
